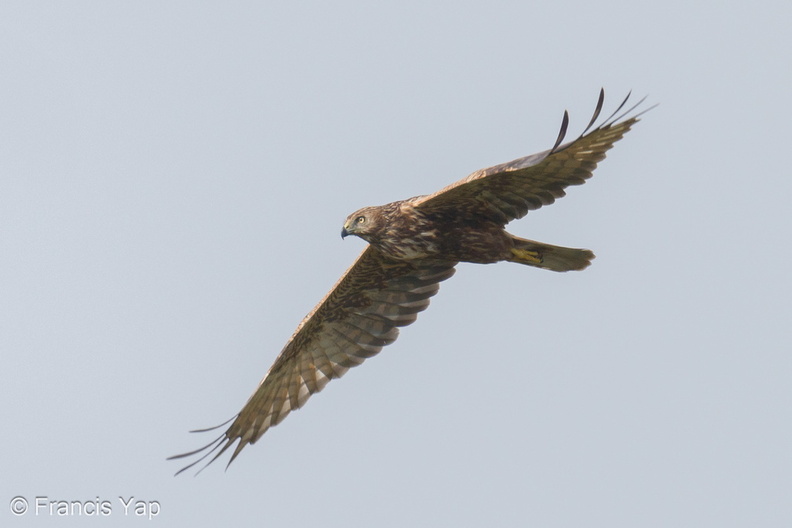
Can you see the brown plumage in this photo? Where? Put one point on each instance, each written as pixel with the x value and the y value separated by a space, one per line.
pixel 414 244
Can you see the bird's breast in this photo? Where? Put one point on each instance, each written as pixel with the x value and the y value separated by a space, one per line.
pixel 410 244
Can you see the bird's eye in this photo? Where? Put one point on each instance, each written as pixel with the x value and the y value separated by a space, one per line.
pixel 360 219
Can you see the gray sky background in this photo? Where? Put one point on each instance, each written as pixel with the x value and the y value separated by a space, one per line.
pixel 173 179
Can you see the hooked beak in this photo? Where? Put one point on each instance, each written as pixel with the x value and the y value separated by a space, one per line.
pixel 344 233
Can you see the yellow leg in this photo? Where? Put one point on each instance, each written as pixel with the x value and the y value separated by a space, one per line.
pixel 524 255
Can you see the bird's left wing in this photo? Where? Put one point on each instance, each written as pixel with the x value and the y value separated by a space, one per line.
pixel 359 316
pixel 508 191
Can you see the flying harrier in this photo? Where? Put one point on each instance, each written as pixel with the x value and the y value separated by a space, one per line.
pixel 413 245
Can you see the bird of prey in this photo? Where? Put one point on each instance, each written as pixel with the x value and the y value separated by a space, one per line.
pixel 413 245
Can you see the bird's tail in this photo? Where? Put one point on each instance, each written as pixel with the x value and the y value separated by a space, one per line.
pixel 555 258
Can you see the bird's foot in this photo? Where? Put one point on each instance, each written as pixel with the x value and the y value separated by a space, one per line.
pixel 524 255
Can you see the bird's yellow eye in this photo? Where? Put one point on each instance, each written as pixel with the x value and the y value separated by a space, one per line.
pixel 360 219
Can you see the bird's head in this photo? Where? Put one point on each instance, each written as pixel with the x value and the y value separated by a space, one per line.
pixel 364 223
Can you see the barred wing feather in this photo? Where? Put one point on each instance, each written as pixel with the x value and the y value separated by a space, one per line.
pixel 361 314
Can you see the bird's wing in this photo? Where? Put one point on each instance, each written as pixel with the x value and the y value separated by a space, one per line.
pixel 359 316
pixel 508 191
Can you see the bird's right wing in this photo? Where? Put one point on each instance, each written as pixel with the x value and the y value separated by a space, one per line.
pixel 359 316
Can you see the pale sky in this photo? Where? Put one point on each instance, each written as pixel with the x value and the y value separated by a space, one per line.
pixel 173 180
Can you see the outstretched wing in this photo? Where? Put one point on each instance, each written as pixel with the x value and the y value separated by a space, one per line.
pixel 359 316
pixel 508 191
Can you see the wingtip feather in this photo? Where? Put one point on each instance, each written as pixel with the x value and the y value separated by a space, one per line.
pixel 562 132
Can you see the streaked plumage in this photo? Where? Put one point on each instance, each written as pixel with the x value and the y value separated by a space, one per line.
pixel 414 244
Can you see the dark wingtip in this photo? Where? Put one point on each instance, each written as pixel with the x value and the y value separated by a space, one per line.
pixel 215 427
pixel 614 117
pixel 562 132
pixel 642 112
pixel 597 110
pixel 211 447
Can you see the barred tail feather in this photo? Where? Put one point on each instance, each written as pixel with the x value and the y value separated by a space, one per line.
pixel 546 256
